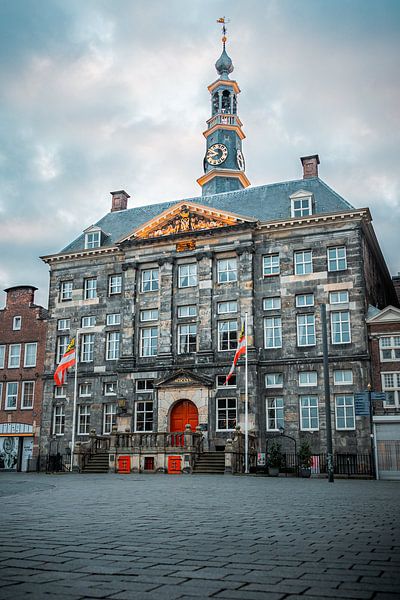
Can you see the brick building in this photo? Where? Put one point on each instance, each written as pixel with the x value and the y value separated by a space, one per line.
pixel 158 294
pixel 23 327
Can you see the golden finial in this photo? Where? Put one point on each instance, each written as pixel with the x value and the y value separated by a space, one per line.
pixel 224 21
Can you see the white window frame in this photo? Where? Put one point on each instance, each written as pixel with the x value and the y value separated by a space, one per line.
pixel 303 300
pixel 301 207
pixel 187 311
pixel 311 412
pixel 334 260
pixel 66 289
pixel 14 356
pixel 92 239
pixel 187 275
pixel 347 410
pixel 227 307
pixel 229 327
pixel 61 346
pixel 271 264
pixel 226 409
pixel 87 348
pixel 83 420
pixel 148 386
pixel 303 262
pixel 27 350
pixel 25 385
pixel 113 339
pixel 311 378
pixel 391 389
pixel 306 335
pixel 115 284
pixel 110 388
pixel 63 324
pixel 113 319
pixel 272 303
pixel 58 420
pixel 274 325
pixel 186 343
pixel 340 299
pixel 85 390
pixel 148 415
pixel 148 341
pixel 10 395
pixel 227 270
pixel 60 391
pixel 149 314
pixel 275 413
pixel 336 379
pixel 2 355
pixel 337 327
pixel 274 380
pixel 149 280
pixel 89 321
pixel 17 323
pixel 389 352
pixel 90 288
pixel 109 417
pixel 220 381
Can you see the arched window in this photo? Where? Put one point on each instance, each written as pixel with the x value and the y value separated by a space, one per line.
pixel 234 105
pixel 215 103
pixel 226 101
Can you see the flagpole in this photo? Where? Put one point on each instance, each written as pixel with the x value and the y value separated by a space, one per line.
pixel 75 395
pixel 246 406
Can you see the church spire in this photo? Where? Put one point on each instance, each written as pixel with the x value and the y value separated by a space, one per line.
pixel 223 163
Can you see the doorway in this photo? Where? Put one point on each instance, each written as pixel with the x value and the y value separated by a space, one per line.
pixel 182 414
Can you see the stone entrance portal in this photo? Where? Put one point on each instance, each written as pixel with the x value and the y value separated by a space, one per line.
pixel 183 413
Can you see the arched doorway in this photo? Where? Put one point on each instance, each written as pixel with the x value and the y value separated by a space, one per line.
pixel 183 413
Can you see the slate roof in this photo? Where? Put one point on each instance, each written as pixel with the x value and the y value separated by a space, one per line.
pixel 264 203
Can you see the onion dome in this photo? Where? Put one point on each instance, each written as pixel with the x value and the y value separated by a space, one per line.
pixel 224 65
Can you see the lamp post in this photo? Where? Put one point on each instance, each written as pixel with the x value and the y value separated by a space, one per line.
pixel 372 436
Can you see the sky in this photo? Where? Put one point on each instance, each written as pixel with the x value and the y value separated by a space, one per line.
pixel 103 95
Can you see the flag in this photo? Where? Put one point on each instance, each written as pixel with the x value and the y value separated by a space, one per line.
pixel 68 360
pixel 240 350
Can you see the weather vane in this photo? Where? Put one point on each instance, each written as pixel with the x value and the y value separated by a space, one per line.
pixel 224 21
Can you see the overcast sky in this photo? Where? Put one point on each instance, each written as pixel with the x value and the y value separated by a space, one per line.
pixel 102 95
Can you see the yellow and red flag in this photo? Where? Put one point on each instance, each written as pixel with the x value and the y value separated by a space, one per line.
pixel 68 360
pixel 240 351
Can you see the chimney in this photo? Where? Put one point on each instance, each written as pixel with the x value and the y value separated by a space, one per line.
pixel 20 295
pixel 119 200
pixel 310 166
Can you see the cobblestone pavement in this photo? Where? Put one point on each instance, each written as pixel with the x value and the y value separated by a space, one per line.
pixel 155 536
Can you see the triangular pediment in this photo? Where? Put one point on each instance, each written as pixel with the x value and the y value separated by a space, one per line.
pixel 185 218
pixel 390 314
pixel 300 194
pixel 184 378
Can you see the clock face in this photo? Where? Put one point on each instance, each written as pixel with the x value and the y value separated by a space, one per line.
pixel 216 154
pixel 240 160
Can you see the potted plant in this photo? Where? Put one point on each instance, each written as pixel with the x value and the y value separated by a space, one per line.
pixel 305 459
pixel 274 459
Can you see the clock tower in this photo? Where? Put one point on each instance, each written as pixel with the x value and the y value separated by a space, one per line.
pixel 224 164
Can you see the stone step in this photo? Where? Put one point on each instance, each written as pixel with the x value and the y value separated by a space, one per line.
pixel 210 463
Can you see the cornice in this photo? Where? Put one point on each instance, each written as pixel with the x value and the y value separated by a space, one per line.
pixel 52 258
pixel 224 126
pixel 362 213
pixel 221 82
pixel 224 173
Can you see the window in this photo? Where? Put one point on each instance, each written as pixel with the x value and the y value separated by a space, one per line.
pixel 187 275
pixel 148 341
pixel 109 418
pixel 227 270
pixel 272 303
pixel 309 418
pixel 273 332
pixel 110 388
pixel 339 297
pixel 61 346
pixel 87 347
pixel 88 321
pixel 149 315
pixel 301 207
pixel 271 265
pixel 85 390
pixel 17 322
pixel 114 284
pixel 226 414
pixel 343 377
pixel 308 378
pixel 149 280
pixel 14 356
pixel 187 311
pixel 344 412
pixel 28 392
pixel 390 348
pixel 2 356
pixel 227 335
pixel 66 291
pixel 144 385
pixel 90 288
pixel 187 339
pixel 337 259
pixel 304 300
pixel 144 416
pixel 274 380
pixel 58 420
pixel 275 418
pixel 60 391
pixel 113 319
pixel 63 324
pixel 303 262
pixel 231 382
pixel 92 240
pixel 391 385
pixel 11 395
pixel 340 324
pixel 306 330
pixel 224 308
pixel 30 354
pixel 112 345
pixel 83 419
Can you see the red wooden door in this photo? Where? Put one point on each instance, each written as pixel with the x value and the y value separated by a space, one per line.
pixel 184 412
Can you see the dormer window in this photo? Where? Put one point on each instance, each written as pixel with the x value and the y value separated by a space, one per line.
pixel 92 239
pixel 301 204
